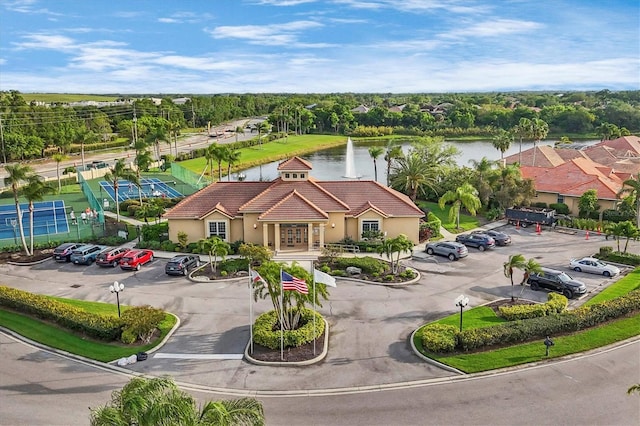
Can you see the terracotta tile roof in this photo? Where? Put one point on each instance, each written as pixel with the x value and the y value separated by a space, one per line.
pixel 569 153
pixel 601 154
pixel 226 196
pixel 365 208
pixel 546 156
pixel 574 178
pixel 295 164
pixel 294 207
pixel 625 146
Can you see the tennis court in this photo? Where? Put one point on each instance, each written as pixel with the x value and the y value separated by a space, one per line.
pixel 149 188
pixel 49 217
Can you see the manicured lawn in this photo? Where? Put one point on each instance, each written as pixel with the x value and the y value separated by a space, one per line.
pixel 467 222
pixel 271 151
pixel 59 338
pixel 603 335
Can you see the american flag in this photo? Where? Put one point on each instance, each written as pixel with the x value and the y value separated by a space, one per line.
pixel 289 282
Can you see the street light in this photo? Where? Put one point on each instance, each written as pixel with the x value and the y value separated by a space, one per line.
pixel 461 301
pixel 116 288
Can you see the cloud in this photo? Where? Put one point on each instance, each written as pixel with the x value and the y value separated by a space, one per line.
pixel 286 34
pixel 27 7
pixel 495 28
pixel 46 41
pixel 185 18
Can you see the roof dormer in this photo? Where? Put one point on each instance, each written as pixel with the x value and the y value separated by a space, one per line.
pixel 294 169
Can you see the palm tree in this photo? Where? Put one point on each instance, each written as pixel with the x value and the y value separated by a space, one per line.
pixel 523 130
pixel 58 158
pixel 159 401
pixel 155 136
pixel 631 188
pixel 219 154
pixel 35 190
pixel 465 195
pixel 502 142
pixel 232 158
pixel 411 175
pixel 483 174
pixel 539 131
pixel 516 261
pixel 16 174
pixel 174 129
pixel 375 152
pixel 529 267
pixel 113 176
pixel 397 245
pixel 142 161
pixel 260 127
pixel 393 152
pixel 239 130
pixel 214 246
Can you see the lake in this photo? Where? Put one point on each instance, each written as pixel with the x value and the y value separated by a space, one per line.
pixel 330 164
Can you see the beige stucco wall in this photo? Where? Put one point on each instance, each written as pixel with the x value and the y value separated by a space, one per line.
pixel 571 202
pixel 409 226
pixel 192 227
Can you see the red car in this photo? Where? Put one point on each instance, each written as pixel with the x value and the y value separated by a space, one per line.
pixel 134 259
pixel 111 256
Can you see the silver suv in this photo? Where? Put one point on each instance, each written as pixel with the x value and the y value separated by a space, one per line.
pixel 450 249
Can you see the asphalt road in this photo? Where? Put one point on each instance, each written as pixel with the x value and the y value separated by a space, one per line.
pixel 370 375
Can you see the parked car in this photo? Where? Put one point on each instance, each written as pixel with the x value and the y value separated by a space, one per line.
pixel 134 259
pixel 181 264
pixel 480 241
pixel 111 256
pixel 85 255
pixel 500 238
pixel 62 253
pixel 558 281
pixel 594 266
pixel 450 249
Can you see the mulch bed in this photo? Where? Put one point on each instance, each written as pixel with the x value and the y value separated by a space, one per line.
pixel 301 353
pixel 21 257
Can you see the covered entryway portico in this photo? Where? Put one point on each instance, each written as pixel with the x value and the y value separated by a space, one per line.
pixel 293 236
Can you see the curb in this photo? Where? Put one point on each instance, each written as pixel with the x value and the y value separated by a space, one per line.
pixel 323 354
pixel 37 262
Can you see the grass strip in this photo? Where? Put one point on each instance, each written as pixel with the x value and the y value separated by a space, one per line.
pixel 621 287
pixel 467 222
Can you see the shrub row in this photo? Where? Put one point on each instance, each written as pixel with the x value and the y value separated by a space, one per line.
pixel 98 326
pixel 266 331
pixel 618 257
pixel 439 339
pixel 556 303
pixel 140 322
pixel 369 265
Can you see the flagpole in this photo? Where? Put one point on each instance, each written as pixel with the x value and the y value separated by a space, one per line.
pixel 281 317
pixel 250 310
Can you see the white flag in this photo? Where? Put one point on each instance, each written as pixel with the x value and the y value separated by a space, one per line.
pixel 324 278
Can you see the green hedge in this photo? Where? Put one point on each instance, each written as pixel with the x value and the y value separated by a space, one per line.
pixel 98 326
pixel 439 338
pixel 369 265
pixel 556 303
pixel 267 333
pixel 618 257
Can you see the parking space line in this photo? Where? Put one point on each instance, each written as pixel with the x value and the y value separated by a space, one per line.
pixel 198 356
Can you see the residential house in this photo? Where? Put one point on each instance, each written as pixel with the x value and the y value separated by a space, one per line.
pixel 294 211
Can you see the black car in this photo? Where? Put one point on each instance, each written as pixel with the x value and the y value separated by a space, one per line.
pixel 62 253
pixel 559 281
pixel 180 265
pixel 480 241
pixel 500 238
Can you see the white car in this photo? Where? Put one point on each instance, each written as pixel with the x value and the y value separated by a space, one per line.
pixel 594 266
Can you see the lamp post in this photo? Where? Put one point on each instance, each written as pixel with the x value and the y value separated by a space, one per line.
pixel 461 301
pixel 116 288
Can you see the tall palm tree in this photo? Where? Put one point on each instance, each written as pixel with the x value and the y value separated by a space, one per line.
pixel 35 190
pixel 113 176
pixel 523 130
pixel 218 153
pixel 393 152
pixel 159 401
pixel 375 152
pixel 142 161
pixel 17 174
pixel 58 158
pixel 261 127
pixel 232 158
pixel 174 130
pixel 397 246
pixel 529 267
pixel 156 135
pixel 412 176
pixel 516 261
pixel 483 173
pixel 539 131
pixel 631 188
pixel 465 195
pixel 502 142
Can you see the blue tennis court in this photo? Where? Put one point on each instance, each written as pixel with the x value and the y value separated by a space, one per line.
pixel 49 217
pixel 149 188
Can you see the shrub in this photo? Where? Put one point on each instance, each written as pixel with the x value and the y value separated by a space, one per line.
pixel 560 208
pixel 439 338
pixel 266 332
pixel 368 265
pixel 141 322
pixel 167 245
pixel 556 303
pixel 539 205
pixel 624 258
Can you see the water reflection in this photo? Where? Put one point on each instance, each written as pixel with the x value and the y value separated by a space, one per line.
pixel 329 164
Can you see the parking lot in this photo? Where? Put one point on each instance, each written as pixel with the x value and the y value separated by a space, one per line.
pixel 369 325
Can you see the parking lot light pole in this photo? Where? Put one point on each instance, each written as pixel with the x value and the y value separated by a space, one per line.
pixel 116 288
pixel 461 301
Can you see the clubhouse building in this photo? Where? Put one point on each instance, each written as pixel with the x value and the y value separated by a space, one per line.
pixel 295 211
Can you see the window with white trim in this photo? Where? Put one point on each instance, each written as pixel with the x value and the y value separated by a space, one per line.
pixel 370 225
pixel 218 229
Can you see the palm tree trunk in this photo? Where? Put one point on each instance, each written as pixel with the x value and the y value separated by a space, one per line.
pixel 31 226
pixel 20 227
pixel 58 174
pixel 115 190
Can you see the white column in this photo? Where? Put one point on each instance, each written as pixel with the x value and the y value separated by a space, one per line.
pixel 276 243
pixel 309 236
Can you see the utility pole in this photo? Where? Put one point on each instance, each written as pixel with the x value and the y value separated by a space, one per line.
pixel 193 116
pixel 4 154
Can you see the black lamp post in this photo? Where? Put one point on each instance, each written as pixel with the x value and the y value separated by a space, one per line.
pixel 116 288
pixel 461 301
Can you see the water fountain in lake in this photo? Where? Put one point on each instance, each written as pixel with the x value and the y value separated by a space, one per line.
pixel 350 172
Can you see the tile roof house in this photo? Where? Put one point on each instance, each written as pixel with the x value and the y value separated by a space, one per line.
pixel 294 211
pixel 562 175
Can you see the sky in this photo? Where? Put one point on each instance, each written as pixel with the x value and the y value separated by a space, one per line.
pixel 318 46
